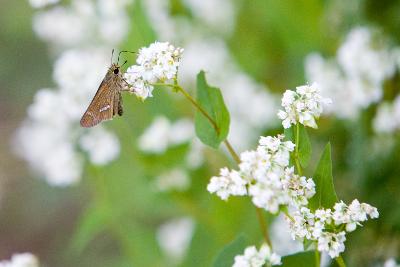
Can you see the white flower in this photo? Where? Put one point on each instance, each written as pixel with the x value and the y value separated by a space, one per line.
pixel 355 78
pixel 83 22
pixel 303 106
pixel 266 174
pixel 134 75
pixel 353 214
pixel 254 258
pixel 49 137
pixel 50 152
pixel 363 55
pixel 390 263
pixel 157 63
pixel 227 184
pixel 60 26
pixel 174 237
pixel 324 226
pixel 283 244
pixel 42 3
pixel 174 179
pixel 21 260
pixel 101 145
pixel 299 188
pixel 301 224
pixel 162 134
pixel 332 243
pixel 216 14
pixel 387 118
pixel 155 137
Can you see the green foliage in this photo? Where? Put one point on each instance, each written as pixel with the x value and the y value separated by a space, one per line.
pixel 92 223
pixel 210 99
pixel 304 146
pixel 325 196
pixel 226 256
pixel 304 143
pixel 301 259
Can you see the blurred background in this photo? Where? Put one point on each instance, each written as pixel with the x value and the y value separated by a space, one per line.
pixel 132 192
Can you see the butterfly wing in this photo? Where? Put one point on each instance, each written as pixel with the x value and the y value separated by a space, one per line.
pixel 102 106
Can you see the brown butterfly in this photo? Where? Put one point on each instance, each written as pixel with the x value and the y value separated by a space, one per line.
pixel 107 101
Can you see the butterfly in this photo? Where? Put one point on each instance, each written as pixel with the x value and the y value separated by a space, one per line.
pixel 107 101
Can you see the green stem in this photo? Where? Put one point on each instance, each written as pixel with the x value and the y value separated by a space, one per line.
pixel 317 258
pixel 263 226
pixel 232 151
pixel 340 261
pixel 296 151
pixel 197 105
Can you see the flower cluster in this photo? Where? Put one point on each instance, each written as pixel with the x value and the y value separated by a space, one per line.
pixel 257 258
pixel 162 134
pixel 174 237
pixel 21 260
pixel 387 118
pixel 157 63
pixel 265 175
pixel 302 106
pixel 50 138
pixel 251 112
pixel 328 227
pixel 355 78
pixel 42 3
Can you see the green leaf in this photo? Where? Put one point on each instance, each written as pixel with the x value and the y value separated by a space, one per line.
pixel 226 257
pixel 210 99
pixel 325 196
pixel 301 259
pixel 93 221
pixel 289 134
pixel 304 146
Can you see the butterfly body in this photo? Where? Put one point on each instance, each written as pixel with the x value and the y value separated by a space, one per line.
pixel 107 101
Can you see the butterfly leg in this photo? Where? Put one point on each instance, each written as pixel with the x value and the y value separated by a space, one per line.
pixel 120 109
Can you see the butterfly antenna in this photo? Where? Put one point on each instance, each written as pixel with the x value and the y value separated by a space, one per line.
pixel 124 51
pixel 124 63
pixel 112 55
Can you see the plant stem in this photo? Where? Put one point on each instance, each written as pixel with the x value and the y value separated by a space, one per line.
pixel 233 153
pixel 263 226
pixel 231 150
pixel 340 261
pixel 197 105
pixel 296 151
pixel 317 258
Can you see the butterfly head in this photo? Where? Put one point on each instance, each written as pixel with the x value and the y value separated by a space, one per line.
pixel 115 68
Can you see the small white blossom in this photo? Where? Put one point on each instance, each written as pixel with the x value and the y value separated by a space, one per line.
pixel 387 118
pixel 353 214
pixel 21 260
pixel 174 237
pixel 142 88
pixel 174 179
pixel 162 134
pixel 354 79
pixel 257 258
pixel 324 225
pixel 42 3
pixel 332 243
pixel 101 145
pixel 227 184
pixel 265 172
pixel 157 63
pixel 303 106
pixel 299 188
pixel 391 263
